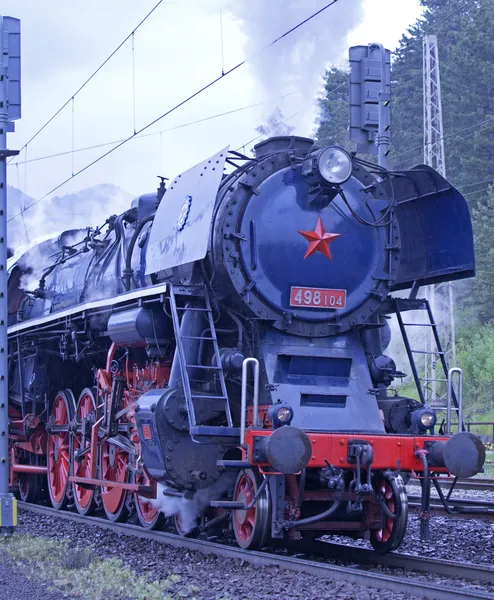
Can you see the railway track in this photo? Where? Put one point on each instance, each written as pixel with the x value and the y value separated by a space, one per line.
pixel 458 507
pixel 321 550
pixel 480 484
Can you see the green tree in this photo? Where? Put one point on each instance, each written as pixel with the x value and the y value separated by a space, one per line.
pixel 482 288
pixel 334 110
pixel 466 51
pixel 476 357
pixel 466 59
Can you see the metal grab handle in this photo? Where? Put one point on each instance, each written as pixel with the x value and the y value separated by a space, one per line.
pixel 255 402
pixel 451 372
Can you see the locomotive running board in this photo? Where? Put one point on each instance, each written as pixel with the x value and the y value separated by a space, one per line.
pixel 137 294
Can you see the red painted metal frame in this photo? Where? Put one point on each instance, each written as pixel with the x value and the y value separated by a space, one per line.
pixel 94 444
pixel 133 487
pixel 18 468
pixel 333 448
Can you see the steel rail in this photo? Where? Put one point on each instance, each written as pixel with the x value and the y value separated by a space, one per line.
pixel 481 485
pixel 406 561
pixel 408 585
pixel 460 502
pixel 459 507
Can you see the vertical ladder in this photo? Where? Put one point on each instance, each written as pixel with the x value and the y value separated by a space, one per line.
pixel 439 352
pixel 200 296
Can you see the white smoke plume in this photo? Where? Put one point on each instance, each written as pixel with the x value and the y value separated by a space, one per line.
pixel 298 61
pixel 87 208
pixel 420 339
pixel 190 511
pixel 47 220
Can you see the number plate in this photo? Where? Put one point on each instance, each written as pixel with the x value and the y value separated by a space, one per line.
pixel 146 432
pixel 317 297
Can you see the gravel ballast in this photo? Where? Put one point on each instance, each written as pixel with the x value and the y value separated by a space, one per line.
pixel 215 578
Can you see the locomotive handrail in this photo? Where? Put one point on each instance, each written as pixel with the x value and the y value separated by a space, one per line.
pixel 451 372
pixel 255 400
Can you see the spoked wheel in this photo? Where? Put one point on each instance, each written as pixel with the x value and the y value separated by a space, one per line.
pixel 394 496
pixel 58 455
pixel 113 467
pixel 149 516
pixel 252 526
pixel 29 483
pixel 84 498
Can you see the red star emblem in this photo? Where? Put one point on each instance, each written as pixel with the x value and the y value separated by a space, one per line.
pixel 319 240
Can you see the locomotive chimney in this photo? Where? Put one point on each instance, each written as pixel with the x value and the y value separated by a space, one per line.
pixel 300 145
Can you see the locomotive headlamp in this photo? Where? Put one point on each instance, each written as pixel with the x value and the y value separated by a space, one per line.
pixel 423 419
pixel 334 165
pixel 428 419
pixel 280 414
pixel 331 165
pixel 284 414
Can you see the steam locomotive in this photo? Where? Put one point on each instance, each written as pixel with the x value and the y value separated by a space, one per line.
pixel 222 343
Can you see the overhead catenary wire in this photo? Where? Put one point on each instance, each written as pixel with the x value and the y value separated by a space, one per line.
pixel 474 192
pixel 174 108
pixel 133 82
pixel 154 133
pixel 73 135
pixel 453 134
pixel 94 73
pixel 222 43
pixel 448 135
pixel 468 185
pixel 181 126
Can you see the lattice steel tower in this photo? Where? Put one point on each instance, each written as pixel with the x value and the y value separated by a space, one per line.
pixel 440 296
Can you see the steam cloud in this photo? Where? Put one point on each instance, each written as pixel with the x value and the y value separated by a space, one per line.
pixel 297 62
pixel 189 511
pixel 87 208
pixel 419 338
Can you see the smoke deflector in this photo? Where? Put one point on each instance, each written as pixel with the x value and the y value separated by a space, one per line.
pixel 435 229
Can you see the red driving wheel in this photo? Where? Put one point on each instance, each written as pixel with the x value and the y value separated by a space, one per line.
pixel 392 492
pixel 149 516
pixel 58 453
pixel 113 467
pixel 84 498
pixel 251 526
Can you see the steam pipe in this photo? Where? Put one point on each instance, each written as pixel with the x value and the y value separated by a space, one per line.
pixel 201 342
pixel 190 326
pixel 109 253
pixel 239 325
pixel 315 518
pixel 21 376
pixel 425 499
pixel 214 521
pixel 301 489
pixel 127 274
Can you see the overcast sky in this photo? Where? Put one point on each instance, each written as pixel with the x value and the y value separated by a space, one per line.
pixel 177 51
